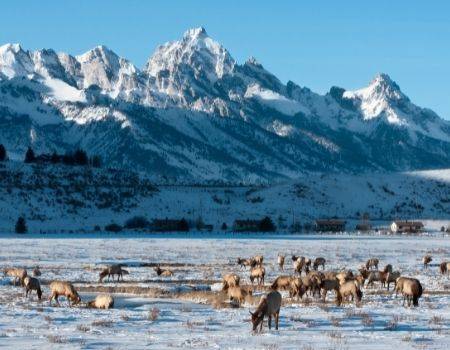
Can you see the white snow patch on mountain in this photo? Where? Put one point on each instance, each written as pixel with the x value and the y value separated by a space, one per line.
pixel 274 100
pixel 63 91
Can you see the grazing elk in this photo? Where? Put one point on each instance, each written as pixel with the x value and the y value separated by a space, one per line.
pixel 297 289
pixel 66 289
pixel 329 285
pixel 111 271
pixel 319 262
pixel 258 260
pixel 18 274
pixel 230 280
pixel 238 294
pixel 391 278
pixel 269 306
pixel 377 276
pixel 347 289
pixel 281 262
pixel 372 263
pixel 164 273
pixel 258 273
pixel 243 263
pixel 426 260
pixel 444 267
pixel 282 282
pixel 102 301
pixel 410 288
pixel 30 284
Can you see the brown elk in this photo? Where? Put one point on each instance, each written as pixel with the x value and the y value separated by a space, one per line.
pixel 280 261
pixel 319 262
pixel 269 306
pixel 18 274
pixel 30 284
pixel 238 294
pixel 164 273
pixel 426 260
pixel 230 280
pixel 410 288
pixel 258 273
pixel 111 271
pixel 347 289
pixel 66 289
pixel 444 267
pixel 372 263
pixel 102 301
pixel 245 262
pixel 329 285
pixel 282 282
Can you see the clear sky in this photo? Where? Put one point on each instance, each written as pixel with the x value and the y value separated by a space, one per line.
pixel 314 43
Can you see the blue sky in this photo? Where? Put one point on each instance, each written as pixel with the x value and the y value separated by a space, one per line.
pixel 314 43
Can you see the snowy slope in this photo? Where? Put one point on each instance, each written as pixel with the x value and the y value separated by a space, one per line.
pixel 193 112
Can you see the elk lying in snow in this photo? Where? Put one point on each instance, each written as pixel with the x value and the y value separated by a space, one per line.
pixel 238 294
pixel 258 273
pixel 281 262
pixel 18 274
pixel 282 282
pixel 112 270
pixel 269 306
pixel 410 288
pixel 102 301
pixel 372 263
pixel 230 280
pixel 36 271
pixel 426 260
pixel 163 273
pixel 31 283
pixel 347 289
pixel 444 267
pixel 66 289
pixel 319 262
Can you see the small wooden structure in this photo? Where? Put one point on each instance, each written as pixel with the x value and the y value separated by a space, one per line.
pixel 246 225
pixel 400 226
pixel 330 225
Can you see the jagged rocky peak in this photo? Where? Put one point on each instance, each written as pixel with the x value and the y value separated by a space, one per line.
pixel 197 50
pixel 14 61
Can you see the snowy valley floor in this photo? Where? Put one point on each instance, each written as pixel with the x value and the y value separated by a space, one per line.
pixel 183 311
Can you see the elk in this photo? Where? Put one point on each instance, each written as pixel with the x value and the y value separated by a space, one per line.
pixel 258 273
pixel 66 289
pixel 281 262
pixel 296 288
pixel 269 306
pixel 30 284
pixel 238 294
pixel 18 274
pixel 102 301
pixel 258 259
pixel 245 262
pixel 111 271
pixel 36 271
pixel 372 262
pixel 347 289
pixel 329 285
pixel 444 267
pixel 163 273
pixel 426 260
pixel 282 282
pixel 344 276
pixel 388 268
pixel 230 280
pixel 391 278
pixel 377 276
pixel 319 262
pixel 410 288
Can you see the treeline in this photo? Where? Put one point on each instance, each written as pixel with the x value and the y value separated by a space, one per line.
pixel 78 157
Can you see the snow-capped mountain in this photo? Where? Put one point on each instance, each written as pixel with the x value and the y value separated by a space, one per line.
pixel 193 114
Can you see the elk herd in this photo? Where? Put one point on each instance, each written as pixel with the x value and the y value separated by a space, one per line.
pixel 309 278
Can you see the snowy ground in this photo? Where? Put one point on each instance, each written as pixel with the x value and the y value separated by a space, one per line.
pixel 177 312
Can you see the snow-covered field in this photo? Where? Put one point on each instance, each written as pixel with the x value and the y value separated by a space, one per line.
pixel 178 312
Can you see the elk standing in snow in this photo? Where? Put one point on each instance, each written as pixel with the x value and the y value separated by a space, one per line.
pixel 32 283
pixel 319 262
pixel 269 306
pixel 281 262
pixel 18 274
pixel 66 289
pixel 258 273
pixel 111 271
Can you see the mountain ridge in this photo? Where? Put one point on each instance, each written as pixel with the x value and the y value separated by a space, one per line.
pixel 193 112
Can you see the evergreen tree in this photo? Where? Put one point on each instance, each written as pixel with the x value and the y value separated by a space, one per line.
pixel 96 161
pixel 224 227
pixel 80 157
pixel 183 225
pixel 3 155
pixel 55 158
pixel 29 156
pixel 266 225
pixel 21 225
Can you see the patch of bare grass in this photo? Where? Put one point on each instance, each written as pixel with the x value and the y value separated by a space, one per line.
pixel 102 323
pixel 57 339
pixel 83 328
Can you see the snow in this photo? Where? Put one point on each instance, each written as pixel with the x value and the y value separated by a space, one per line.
pixel 186 318
pixel 274 100
pixel 63 91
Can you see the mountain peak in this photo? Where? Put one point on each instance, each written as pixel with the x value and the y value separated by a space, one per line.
pixel 195 33
pixel 101 52
pixel 10 47
pixel 384 80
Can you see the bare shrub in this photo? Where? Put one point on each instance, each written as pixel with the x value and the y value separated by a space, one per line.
pixel 392 324
pixel 56 339
pixel 436 320
pixel 102 323
pixel 335 321
pixel 83 328
pixel 367 320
